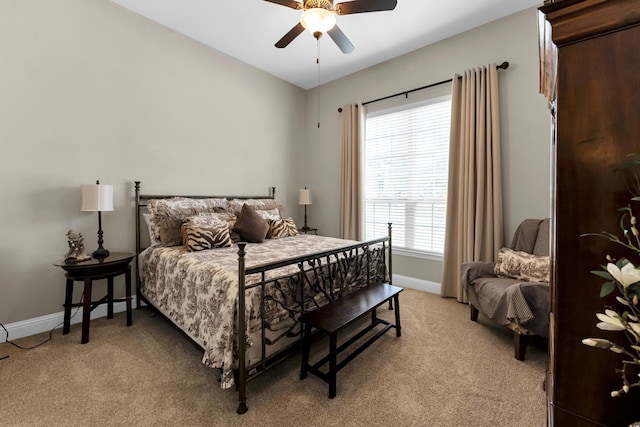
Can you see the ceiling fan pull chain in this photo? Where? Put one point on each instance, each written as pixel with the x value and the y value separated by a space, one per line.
pixel 318 62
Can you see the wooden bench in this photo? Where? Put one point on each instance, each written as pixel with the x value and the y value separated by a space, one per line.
pixel 335 316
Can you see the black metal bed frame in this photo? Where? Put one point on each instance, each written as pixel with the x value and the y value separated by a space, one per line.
pixel 328 273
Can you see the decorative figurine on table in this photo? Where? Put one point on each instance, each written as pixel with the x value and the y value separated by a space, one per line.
pixel 76 251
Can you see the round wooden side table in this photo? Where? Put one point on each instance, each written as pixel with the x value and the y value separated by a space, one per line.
pixel 115 264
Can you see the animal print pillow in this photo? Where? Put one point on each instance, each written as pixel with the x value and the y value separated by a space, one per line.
pixel 171 213
pixel 522 266
pixel 198 238
pixel 281 228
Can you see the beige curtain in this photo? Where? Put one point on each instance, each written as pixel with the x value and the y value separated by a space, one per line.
pixel 350 197
pixel 474 204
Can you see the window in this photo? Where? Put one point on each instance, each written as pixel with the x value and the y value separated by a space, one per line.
pixel 406 157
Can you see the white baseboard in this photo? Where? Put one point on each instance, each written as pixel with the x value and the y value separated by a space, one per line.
pixel 419 284
pixel 46 323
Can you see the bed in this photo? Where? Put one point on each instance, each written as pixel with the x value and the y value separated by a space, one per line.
pixel 201 286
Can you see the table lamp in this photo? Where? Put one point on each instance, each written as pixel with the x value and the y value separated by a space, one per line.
pixel 304 198
pixel 98 197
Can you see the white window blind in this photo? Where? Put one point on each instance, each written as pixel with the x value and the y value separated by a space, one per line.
pixel 406 157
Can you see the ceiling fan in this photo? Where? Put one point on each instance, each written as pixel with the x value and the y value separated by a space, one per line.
pixel 319 18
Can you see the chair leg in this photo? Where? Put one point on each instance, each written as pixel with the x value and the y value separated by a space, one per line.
pixel 474 313
pixel 520 342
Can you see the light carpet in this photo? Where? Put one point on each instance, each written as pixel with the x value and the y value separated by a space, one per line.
pixel 444 371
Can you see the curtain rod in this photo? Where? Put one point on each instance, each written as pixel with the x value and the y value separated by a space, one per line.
pixel 502 66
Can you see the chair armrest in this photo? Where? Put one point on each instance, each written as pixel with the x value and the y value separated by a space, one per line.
pixel 470 271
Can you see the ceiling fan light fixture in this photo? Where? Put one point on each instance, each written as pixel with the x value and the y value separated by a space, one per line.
pixel 318 21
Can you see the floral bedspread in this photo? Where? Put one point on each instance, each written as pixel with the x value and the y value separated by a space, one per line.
pixel 198 290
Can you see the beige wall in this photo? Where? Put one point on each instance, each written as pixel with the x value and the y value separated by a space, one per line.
pixel 92 91
pixel 525 124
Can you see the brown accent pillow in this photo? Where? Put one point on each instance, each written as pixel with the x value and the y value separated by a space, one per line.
pixel 251 226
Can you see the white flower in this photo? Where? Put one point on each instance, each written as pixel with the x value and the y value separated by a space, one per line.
pixel 623 301
pixel 626 276
pixel 625 388
pixel 610 321
pixel 615 394
pixel 597 342
pixel 617 349
pixel 635 327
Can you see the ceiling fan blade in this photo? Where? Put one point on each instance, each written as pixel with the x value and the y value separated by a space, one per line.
pixel 292 34
pixel 288 3
pixel 361 6
pixel 341 40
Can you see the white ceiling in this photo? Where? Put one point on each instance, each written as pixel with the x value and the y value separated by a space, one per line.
pixel 248 29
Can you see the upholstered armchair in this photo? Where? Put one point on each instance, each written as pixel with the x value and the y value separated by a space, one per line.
pixel 514 289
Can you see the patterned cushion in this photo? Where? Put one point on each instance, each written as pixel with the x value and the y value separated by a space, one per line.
pixel 522 266
pixel 207 219
pixel 236 205
pixel 154 228
pixel 269 213
pixel 171 213
pixel 198 238
pixel 281 228
pixel 251 226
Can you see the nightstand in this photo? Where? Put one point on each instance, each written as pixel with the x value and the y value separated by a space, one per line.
pixel 308 230
pixel 115 264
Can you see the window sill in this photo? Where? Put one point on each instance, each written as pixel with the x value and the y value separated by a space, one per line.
pixel 417 254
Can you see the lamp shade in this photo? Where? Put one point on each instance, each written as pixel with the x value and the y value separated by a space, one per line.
pixel 304 197
pixel 318 20
pixel 97 197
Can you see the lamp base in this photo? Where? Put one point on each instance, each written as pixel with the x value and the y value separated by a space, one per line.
pixel 100 253
pixel 306 228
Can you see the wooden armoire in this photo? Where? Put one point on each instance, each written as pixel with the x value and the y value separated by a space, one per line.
pixel 590 73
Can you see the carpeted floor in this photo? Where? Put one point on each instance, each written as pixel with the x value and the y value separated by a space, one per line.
pixel 444 371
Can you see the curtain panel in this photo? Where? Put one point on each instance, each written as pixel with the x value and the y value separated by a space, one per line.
pixel 350 191
pixel 474 230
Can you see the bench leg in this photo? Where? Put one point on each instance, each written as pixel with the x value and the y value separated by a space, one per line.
pixel 332 365
pixel 306 343
pixel 398 328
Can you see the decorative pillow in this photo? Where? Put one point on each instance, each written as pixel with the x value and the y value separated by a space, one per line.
pixel 522 266
pixel 154 229
pixel 269 213
pixel 281 228
pixel 251 226
pixel 171 213
pixel 207 219
pixel 236 205
pixel 198 238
